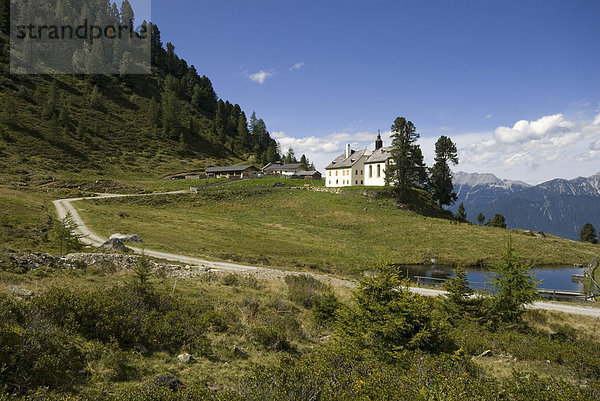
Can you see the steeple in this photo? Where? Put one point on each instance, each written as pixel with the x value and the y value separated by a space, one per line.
pixel 378 142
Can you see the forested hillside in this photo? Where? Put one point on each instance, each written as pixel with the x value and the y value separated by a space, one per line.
pixel 171 120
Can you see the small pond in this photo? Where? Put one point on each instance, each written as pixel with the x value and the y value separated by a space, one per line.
pixel 553 277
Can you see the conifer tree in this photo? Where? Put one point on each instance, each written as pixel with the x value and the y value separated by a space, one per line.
pixel 441 176
pixel 497 221
pixel 154 113
pixel 96 101
pixel 406 169
pixel 290 157
pixel 480 218
pixel 513 286
pixel 9 110
pixel 588 234
pixel 243 135
pixel 461 213
pixel 183 146
pixel 51 105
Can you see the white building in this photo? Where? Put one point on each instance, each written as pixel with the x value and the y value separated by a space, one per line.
pixel 347 169
pixel 361 167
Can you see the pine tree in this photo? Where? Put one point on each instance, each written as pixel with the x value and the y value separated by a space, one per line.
pixel 290 157
pixel 7 116
pixel 461 213
pixel 243 135
pixel 183 146
pixel 388 318
pixel 154 113
pixel 588 234
pixel 406 169
pixel 65 234
pixel 513 286
pixel 460 299
pixel 51 105
pixel 441 176
pixel 480 218
pixel 127 14
pixel 304 160
pixel 498 221
pixel 96 101
pixel 170 110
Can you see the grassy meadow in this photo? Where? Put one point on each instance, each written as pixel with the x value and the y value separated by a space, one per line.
pixel 294 227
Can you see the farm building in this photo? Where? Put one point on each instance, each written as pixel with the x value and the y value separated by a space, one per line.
pixel 247 171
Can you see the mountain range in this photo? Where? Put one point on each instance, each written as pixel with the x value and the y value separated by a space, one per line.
pixel 558 206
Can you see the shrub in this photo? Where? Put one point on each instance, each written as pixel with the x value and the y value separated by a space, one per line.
pixel 304 289
pixel 34 352
pixel 325 308
pixel 388 319
pixel 231 279
pixel 271 337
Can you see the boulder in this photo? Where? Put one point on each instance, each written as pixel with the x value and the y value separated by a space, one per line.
pixel 486 353
pixel 184 358
pixel 126 237
pixel 20 291
pixel 113 244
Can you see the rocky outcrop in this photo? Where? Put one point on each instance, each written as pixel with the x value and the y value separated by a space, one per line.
pixel 114 244
pixel 126 237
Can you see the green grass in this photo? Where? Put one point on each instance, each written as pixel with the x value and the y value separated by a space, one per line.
pixel 343 233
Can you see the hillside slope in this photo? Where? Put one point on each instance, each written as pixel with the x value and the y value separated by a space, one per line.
pixel 131 125
pixel 343 232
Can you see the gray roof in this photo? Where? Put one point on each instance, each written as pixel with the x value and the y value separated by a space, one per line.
pixel 344 162
pixel 380 155
pixel 307 173
pixel 291 166
pixel 229 169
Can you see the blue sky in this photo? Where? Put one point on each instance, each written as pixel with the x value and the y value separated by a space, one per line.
pixel 515 83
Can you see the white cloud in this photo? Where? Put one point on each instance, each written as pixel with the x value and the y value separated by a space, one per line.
pixel 297 66
pixel 260 76
pixel 533 151
pixel 489 116
pixel 597 120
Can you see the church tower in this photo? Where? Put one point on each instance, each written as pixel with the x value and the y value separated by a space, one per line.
pixel 378 142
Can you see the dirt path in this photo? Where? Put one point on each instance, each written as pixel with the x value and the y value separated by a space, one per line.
pixel 64 206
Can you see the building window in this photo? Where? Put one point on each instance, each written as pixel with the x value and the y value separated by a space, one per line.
pixel 336 173
pixel 360 182
pixel 330 173
pixel 356 172
pixel 378 171
pixel 356 182
pixel 329 182
pixel 370 171
pixel 336 181
pixel 360 172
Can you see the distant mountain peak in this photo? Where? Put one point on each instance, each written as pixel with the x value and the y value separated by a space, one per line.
pixel 488 179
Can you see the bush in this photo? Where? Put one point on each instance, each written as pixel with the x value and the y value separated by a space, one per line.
pixel 130 315
pixel 304 289
pixel 271 337
pixel 34 352
pixel 388 319
pixel 325 308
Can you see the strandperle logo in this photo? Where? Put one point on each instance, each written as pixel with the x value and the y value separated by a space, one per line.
pixel 78 37
pixel 83 32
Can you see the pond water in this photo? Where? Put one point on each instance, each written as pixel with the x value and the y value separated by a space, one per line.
pixel 553 277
